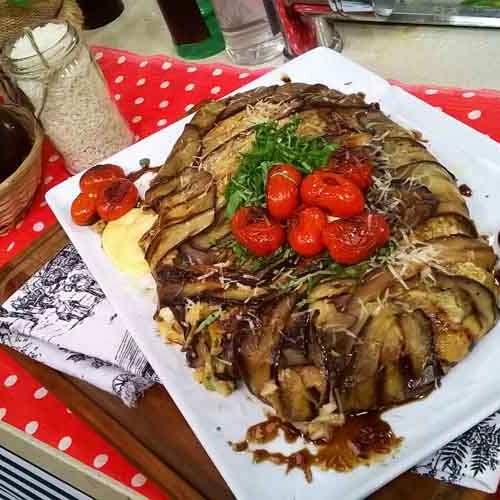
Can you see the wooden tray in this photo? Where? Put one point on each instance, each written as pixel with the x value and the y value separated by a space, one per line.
pixel 154 436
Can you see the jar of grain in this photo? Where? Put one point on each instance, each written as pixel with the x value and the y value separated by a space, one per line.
pixel 53 67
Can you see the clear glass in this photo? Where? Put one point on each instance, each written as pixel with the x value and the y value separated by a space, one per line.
pixel 249 35
pixel 71 99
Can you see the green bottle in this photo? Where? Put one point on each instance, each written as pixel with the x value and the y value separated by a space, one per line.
pixel 194 27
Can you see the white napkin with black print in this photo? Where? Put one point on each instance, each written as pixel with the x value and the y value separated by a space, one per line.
pixel 472 460
pixel 61 317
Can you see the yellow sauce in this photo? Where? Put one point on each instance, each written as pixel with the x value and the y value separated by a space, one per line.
pixel 120 241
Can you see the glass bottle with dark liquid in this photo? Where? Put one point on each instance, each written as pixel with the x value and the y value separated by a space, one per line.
pixel 193 26
pixel 15 144
pixel 98 13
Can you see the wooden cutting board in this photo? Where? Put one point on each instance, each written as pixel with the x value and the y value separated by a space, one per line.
pixel 154 436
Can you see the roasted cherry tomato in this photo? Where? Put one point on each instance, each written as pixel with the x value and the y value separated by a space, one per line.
pixel 354 239
pixel 84 210
pixel 378 225
pixel 98 178
pixel 256 231
pixel 357 171
pixel 117 199
pixel 282 191
pixel 333 192
pixel 304 231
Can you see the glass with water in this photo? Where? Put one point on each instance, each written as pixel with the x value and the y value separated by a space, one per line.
pixel 251 30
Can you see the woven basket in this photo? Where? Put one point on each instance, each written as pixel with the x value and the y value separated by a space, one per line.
pixel 14 19
pixel 17 191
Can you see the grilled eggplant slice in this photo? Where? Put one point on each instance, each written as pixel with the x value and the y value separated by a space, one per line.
pixel 177 292
pixel 416 204
pixel 257 351
pixel 439 182
pixel 483 300
pixel 188 145
pixel 295 400
pixel 223 163
pixel 456 248
pixel 394 362
pixel 173 236
pixel 379 125
pixel 161 189
pixel 220 229
pixel 443 225
pixel 241 101
pixel 188 208
pixel 418 355
pixel 192 182
pixel 420 169
pixel 245 120
pixel 182 155
pixel 460 309
pixel 207 115
pixel 400 151
pixel 360 384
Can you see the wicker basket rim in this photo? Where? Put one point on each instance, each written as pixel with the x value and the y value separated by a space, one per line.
pixel 35 133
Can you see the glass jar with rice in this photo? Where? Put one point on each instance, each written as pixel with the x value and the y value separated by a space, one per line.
pixel 54 69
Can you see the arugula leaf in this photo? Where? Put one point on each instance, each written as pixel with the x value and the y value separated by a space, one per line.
pixel 211 318
pixel 387 249
pixel 311 279
pixel 273 144
pixel 284 253
pixel 241 253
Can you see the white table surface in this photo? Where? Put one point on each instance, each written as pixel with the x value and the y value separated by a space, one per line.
pixel 464 57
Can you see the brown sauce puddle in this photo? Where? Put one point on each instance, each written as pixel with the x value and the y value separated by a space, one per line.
pixel 362 440
pixel 465 190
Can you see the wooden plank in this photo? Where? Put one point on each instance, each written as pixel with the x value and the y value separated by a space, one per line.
pixel 154 436
pixel 414 487
pixel 14 274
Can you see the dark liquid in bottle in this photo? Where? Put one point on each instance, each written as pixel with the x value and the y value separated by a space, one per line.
pixel 97 13
pixel 184 21
pixel 15 144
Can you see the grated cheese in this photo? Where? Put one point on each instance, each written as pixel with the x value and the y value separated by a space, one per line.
pixel 206 275
pixel 263 111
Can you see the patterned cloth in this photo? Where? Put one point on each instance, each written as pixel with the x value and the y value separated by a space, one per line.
pixel 61 318
pixel 472 460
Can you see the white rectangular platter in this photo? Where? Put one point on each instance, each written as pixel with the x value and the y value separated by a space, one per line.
pixel 468 394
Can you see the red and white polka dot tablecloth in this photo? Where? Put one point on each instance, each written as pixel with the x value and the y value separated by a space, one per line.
pixel 153 92
pixel 32 409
